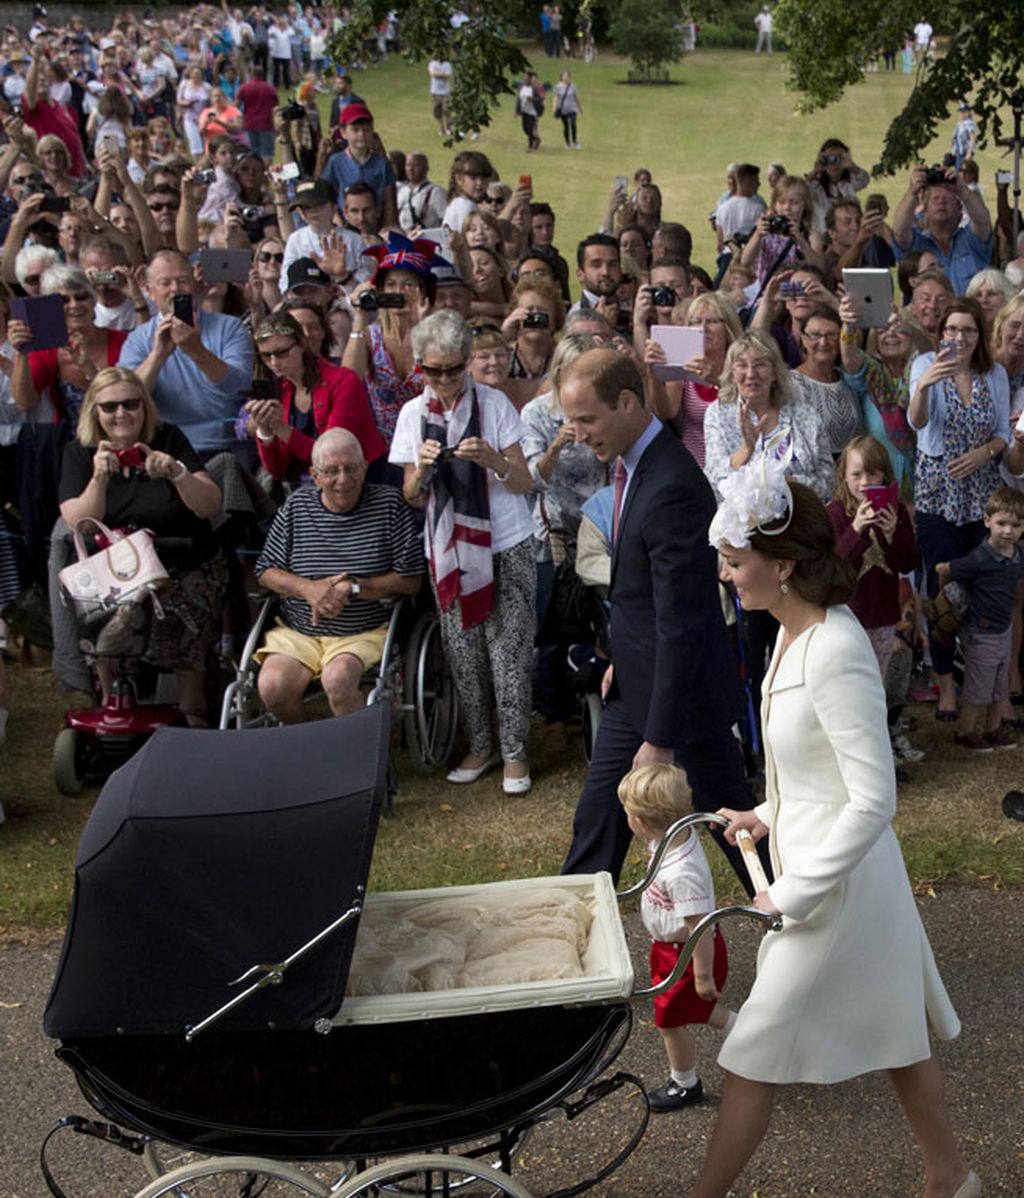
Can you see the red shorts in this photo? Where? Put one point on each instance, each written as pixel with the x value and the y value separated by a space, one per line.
pixel 681 1004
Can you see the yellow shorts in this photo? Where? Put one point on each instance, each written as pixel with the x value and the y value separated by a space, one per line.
pixel 315 652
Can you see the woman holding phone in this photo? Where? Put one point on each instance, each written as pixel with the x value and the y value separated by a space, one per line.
pixel 960 410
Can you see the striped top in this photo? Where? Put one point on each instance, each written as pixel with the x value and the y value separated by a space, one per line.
pixel 378 535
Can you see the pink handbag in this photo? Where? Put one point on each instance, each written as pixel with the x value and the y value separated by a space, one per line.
pixel 125 572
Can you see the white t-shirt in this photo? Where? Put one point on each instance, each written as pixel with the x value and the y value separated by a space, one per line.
pixel 304 243
pixel 739 214
pixel 500 427
pixel 922 33
pixel 763 21
pixel 280 41
pixel 440 77
pixel 682 887
pixel 456 212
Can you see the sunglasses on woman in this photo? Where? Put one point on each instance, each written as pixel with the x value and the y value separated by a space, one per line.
pixel 109 406
pixel 280 352
pixel 443 372
pixel 266 256
pixel 79 297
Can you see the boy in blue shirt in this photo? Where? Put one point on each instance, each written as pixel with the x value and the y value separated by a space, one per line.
pixel 991 573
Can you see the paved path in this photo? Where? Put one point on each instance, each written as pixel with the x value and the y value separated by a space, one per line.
pixel 841 1142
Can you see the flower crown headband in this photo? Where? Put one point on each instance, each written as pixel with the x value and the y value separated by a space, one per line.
pixel 753 497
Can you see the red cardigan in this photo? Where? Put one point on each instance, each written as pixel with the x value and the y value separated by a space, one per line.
pixel 876 601
pixel 339 401
pixel 45 367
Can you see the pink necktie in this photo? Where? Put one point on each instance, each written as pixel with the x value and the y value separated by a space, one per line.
pixel 620 487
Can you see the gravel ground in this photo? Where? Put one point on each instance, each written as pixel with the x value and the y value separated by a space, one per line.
pixel 842 1142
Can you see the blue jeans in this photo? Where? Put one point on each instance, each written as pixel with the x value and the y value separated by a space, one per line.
pixel 262 141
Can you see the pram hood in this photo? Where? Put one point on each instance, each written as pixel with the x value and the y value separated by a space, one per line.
pixel 208 853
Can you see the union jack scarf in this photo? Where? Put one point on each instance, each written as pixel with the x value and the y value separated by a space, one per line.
pixel 459 514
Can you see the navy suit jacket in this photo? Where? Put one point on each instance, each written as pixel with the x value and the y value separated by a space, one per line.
pixel 675 671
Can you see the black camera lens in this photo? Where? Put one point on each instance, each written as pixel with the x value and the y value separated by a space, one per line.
pixel 663 297
pixel 536 320
pixel 368 301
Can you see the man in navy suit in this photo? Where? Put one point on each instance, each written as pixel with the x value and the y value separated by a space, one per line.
pixel 674 693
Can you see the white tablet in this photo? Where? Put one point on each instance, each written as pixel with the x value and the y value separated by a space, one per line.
pixel 680 345
pixel 870 288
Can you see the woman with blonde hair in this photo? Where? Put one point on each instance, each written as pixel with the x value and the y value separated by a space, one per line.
pixel 783 233
pixel 760 413
pixel 683 404
pixel 128 469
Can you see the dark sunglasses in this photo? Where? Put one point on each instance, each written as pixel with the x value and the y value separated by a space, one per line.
pixel 443 372
pixel 79 297
pixel 109 406
pixel 267 354
pixel 164 206
pixel 267 256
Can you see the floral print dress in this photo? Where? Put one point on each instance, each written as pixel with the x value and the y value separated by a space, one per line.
pixel 967 425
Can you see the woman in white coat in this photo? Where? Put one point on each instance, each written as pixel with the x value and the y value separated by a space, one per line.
pixel 849 985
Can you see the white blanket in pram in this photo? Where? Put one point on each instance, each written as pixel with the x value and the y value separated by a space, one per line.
pixel 478 940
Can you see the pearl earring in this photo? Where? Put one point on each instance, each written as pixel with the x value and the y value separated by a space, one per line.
pixel 784 588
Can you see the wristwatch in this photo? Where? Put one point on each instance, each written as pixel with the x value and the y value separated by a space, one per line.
pixel 355 587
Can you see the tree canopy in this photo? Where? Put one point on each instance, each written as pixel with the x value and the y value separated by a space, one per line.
pixel 647 34
pixel 830 41
pixel 485 59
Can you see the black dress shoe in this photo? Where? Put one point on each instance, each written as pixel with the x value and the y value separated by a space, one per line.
pixel 673 1097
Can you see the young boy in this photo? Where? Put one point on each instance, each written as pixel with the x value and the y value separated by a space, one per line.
pixel 991 572
pixel 654 797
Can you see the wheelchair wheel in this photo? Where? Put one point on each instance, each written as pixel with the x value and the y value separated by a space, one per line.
pixel 432 1174
pixel 429 699
pixel 68 766
pixel 591 711
pixel 236 1177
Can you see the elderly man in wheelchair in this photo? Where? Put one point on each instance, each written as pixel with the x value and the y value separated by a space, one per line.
pixel 335 553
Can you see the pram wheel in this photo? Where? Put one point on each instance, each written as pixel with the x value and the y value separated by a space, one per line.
pixel 236 1177
pixel 430 1175
pixel 161 1158
pixel 68 771
pixel 430 703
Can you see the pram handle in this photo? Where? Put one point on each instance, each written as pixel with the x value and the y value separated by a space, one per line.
pixel 772 923
pixel 686 821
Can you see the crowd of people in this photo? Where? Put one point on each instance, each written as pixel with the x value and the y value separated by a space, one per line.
pixel 264 279
pixel 217 306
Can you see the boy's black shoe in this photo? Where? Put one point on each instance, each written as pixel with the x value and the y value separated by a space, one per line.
pixel 673 1097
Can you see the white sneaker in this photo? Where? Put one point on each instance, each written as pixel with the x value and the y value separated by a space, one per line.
pixel 516 786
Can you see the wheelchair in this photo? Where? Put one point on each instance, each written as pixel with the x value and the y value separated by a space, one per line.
pixel 415 681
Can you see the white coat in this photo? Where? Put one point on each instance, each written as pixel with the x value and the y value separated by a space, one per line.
pixel 850 984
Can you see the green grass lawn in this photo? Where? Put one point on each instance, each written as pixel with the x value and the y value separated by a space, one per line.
pixel 723 106
pixel 727 106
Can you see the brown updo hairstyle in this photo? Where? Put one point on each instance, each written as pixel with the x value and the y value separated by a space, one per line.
pixel 820 576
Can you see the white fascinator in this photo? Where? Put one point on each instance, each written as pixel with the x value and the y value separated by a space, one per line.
pixel 753 497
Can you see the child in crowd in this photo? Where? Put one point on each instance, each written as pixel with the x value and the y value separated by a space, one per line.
pixel 991 573
pixel 879 543
pixel 654 797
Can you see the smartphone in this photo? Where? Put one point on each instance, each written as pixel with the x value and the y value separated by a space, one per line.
pixel 621 183
pixel 790 289
pixel 55 204
pixel 44 315
pixel 106 278
pixel 526 181
pixel 881 498
pixel 285 171
pixel 265 389
pixel 182 308
pixel 446 454
pixel 1004 178
pixel 947 349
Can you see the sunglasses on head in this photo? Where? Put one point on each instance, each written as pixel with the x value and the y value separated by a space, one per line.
pixel 267 256
pixel 109 406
